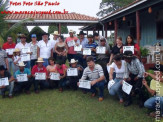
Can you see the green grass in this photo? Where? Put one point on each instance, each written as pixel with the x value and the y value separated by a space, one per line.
pixel 69 106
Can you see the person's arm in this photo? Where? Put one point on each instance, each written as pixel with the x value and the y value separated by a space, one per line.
pixel 6 62
pixel 154 76
pixel 64 75
pixel 140 70
pixel 152 92
pixel 11 79
pixel 55 48
pixel 29 74
pixel 111 73
pixel 111 58
pixel 38 52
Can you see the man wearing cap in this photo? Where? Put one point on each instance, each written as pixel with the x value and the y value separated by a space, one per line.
pixel 74 79
pixel 5 74
pixel 33 46
pixel 134 75
pixel 45 49
pixel 54 41
pixel 22 85
pixel 95 74
pixel 39 68
pixel 24 44
pixel 71 52
pixel 82 41
pixel 9 47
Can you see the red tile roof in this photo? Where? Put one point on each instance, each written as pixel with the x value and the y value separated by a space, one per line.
pixel 69 16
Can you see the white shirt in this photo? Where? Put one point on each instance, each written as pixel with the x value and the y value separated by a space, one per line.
pixel 45 49
pixel 53 42
pixel 20 46
pixel 119 72
pixel 33 50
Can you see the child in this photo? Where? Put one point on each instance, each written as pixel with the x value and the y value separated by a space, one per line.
pixel 16 59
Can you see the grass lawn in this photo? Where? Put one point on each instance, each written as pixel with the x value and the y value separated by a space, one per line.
pixel 69 106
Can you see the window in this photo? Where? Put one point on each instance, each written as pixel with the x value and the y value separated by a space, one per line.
pixel 159 29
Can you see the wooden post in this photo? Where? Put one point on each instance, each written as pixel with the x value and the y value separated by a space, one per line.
pixel 94 30
pixel 138 27
pixel 98 31
pixel 115 30
pixel 59 28
pixel 106 30
pixel 87 32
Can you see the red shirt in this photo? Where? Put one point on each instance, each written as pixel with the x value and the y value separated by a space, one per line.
pixel 61 70
pixel 8 46
pixel 35 69
pixel 71 49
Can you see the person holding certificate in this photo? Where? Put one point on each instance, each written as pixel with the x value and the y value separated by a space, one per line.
pixel 70 41
pixel 3 58
pixel 61 49
pixel 134 76
pixel 61 69
pixel 156 90
pixel 16 59
pixel 103 59
pixel 74 79
pixel 40 75
pixel 22 79
pixel 94 73
pixel 9 46
pixel 7 83
pixel 119 67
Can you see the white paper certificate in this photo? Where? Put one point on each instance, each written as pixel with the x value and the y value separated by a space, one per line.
pixel 128 48
pixel 100 50
pixel 54 76
pixel 110 84
pixel 86 51
pixel 72 72
pixel 10 51
pixel 126 87
pixel 77 48
pixel 71 43
pixel 40 76
pixel 25 57
pixel 26 50
pixel 85 84
pixel 22 77
pixel 4 81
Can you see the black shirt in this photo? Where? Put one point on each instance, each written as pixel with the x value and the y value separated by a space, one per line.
pixel 6 74
pixel 116 50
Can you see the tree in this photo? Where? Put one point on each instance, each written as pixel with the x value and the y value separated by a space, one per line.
pixel 52 28
pixel 108 6
pixel 38 31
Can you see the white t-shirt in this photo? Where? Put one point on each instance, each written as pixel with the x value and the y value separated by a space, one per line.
pixel 119 72
pixel 45 49
pixel 53 42
pixel 33 50
pixel 20 46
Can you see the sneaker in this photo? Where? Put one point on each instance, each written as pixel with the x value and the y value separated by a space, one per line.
pixel 10 96
pixel 100 99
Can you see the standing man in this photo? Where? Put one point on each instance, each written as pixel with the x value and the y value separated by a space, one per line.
pixel 54 41
pixel 9 46
pixel 45 49
pixel 3 58
pixel 33 45
pixel 69 41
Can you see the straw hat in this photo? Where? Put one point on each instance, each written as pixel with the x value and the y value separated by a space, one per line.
pixel 21 64
pixel 16 50
pixel 40 60
pixel 71 31
pixel 55 33
pixel 73 61
pixel 23 36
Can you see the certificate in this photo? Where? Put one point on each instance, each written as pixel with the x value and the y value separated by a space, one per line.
pixel 4 81
pixel 85 84
pixel 77 48
pixel 110 84
pixel 54 76
pixel 25 57
pixel 100 50
pixel 128 48
pixel 22 77
pixel 86 51
pixel 10 51
pixel 126 87
pixel 40 76
pixel 25 50
pixel 34 51
pixel 72 72
pixel 71 43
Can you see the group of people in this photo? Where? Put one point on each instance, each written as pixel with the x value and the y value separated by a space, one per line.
pixel 43 65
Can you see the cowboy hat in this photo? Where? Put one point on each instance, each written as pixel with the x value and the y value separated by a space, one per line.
pixel 44 33
pixel 71 31
pixel 23 36
pixel 16 50
pixel 81 33
pixel 55 33
pixel 128 54
pixel 21 64
pixel 40 60
pixel 90 36
pixel 73 61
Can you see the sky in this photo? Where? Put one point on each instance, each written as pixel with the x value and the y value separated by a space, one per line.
pixel 87 7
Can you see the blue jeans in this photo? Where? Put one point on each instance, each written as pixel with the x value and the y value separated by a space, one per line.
pixel 116 88
pixel 28 64
pixel 11 65
pixel 33 62
pixel 151 103
pixel 8 88
pixel 99 85
pixel 46 62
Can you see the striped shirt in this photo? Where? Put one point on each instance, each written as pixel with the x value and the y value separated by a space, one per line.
pixel 3 56
pixel 93 75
